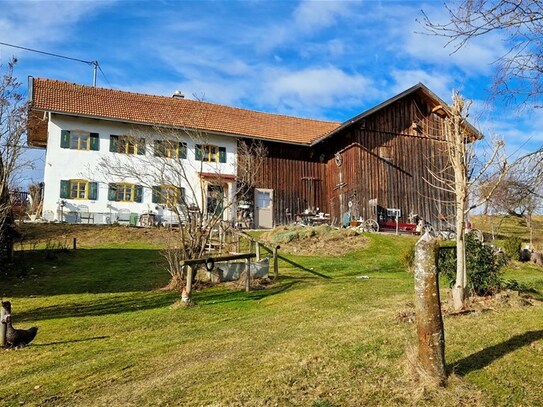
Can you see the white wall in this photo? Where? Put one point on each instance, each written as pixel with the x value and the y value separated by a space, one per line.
pixel 65 164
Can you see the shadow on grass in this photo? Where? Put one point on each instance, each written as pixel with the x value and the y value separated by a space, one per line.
pixel 235 296
pixel 299 266
pixel 85 271
pixel 96 338
pixel 116 304
pixel 486 356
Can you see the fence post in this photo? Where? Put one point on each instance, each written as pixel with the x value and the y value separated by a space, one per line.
pixel 185 295
pixel 75 243
pixel 275 263
pixel 431 348
pixel 248 275
pixel 257 251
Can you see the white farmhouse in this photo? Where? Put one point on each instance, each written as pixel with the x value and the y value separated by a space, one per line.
pixel 112 156
pixel 103 151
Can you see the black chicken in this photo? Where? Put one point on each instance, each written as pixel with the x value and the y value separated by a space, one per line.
pixel 17 338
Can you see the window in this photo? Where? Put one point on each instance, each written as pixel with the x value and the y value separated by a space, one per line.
pixel 125 192
pixel 168 195
pixel 78 189
pixel 210 153
pixel 126 145
pixel 79 140
pixel 170 149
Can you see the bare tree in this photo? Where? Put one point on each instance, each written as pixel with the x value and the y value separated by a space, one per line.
pixel 519 71
pixel 13 111
pixel 196 193
pixel 520 193
pixel 461 177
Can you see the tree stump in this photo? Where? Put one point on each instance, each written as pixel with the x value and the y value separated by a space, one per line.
pixel 431 336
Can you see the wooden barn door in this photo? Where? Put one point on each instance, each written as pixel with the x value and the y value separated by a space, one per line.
pixel 263 208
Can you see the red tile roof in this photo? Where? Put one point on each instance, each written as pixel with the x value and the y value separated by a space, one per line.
pixel 70 98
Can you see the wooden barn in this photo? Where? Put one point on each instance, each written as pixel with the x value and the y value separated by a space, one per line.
pixel 377 161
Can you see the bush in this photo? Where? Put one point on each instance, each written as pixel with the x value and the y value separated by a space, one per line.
pixel 407 257
pixel 512 246
pixel 483 267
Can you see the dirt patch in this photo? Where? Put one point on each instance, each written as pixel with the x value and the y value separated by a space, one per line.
pixel 321 240
pixel 90 235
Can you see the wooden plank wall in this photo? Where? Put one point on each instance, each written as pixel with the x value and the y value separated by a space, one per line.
pixel 402 182
pixel 308 177
pixel 298 177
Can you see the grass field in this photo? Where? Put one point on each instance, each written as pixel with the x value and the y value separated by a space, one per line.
pixel 318 337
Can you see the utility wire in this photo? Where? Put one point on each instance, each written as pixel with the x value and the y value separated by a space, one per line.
pixel 95 64
pixel 49 53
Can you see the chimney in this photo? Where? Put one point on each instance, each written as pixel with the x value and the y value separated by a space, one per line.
pixel 178 95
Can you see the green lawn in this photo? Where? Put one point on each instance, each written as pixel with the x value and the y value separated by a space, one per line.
pixel 318 337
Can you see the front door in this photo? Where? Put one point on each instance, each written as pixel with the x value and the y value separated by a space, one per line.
pixel 263 208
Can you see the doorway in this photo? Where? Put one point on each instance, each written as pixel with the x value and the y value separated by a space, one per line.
pixel 263 208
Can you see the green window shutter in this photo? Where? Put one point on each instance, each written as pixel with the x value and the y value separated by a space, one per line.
pixel 114 143
pixel 64 189
pixel 156 194
pixel 94 141
pixel 112 192
pixel 222 154
pixel 141 146
pixel 65 138
pixel 198 152
pixel 182 150
pixel 93 191
pixel 138 195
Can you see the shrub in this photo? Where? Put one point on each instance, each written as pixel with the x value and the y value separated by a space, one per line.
pixel 512 246
pixel 407 257
pixel 483 267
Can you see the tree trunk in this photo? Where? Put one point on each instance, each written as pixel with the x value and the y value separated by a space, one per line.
pixel 6 310
pixel 458 290
pixel 431 349
pixel 186 294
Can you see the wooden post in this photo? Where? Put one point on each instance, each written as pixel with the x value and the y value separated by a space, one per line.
pixel 75 243
pixel 431 349
pixel 185 295
pixel 6 310
pixel 237 243
pixel 248 276
pixel 275 263
pixel 257 251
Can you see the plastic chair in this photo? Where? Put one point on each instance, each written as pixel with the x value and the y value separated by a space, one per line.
pixel 83 212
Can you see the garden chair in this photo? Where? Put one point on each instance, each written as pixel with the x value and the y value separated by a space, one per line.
pixel 83 212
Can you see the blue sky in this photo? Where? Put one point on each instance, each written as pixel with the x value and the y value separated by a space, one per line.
pixel 320 59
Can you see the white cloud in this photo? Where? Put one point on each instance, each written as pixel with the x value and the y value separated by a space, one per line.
pixel 317 88
pixel 311 16
pixel 308 18
pixel 29 23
